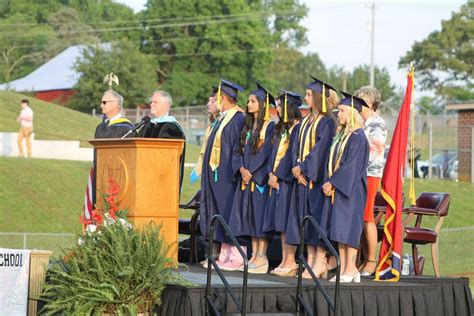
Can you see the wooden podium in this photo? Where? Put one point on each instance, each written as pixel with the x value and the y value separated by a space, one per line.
pixel 147 170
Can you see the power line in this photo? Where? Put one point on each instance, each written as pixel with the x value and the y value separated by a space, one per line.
pixel 169 25
pixel 180 19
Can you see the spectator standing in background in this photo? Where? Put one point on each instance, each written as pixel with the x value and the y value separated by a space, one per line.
pixel 26 128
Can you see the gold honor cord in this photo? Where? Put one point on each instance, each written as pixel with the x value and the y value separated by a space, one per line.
pixel 323 106
pixel 310 135
pixel 352 112
pixel 412 136
pixel 304 123
pixel 219 105
pixel 282 148
pixel 214 160
pixel 342 148
pixel 285 110
pixel 267 109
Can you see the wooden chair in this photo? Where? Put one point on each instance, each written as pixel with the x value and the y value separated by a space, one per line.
pixel 190 226
pixel 427 204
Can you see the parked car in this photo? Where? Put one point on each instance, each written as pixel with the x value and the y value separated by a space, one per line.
pixel 437 163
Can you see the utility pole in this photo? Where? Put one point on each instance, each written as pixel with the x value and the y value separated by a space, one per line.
pixel 372 32
pixel 344 81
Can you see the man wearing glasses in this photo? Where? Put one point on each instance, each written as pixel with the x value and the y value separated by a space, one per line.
pixel 113 125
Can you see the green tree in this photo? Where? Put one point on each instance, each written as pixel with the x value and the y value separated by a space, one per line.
pixel 32 32
pixel 360 76
pixel 135 70
pixel 111 20
pixel 197 41
pixel 444 60
pixel 34 10
pixel 428 105
pixel 68 31
pixel 21 47
pixel 291 69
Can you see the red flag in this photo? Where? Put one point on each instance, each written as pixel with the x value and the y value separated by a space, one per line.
pixel 391 249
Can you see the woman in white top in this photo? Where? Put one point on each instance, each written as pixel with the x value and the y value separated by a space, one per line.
pixel 374 128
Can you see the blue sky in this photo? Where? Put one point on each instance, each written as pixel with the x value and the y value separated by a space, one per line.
pixel 339 30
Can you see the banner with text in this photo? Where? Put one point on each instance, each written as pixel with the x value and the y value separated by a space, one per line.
pixel 14 272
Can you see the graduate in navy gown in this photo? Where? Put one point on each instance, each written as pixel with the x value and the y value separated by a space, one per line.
pixel 251 196
pixel 195 175
pixel 281 180
pixel 345 186
pixel 314 140
pixel 221 163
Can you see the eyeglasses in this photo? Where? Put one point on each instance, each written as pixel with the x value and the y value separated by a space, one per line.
pixel 105 101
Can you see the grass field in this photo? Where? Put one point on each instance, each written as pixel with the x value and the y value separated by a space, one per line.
pixel 51 121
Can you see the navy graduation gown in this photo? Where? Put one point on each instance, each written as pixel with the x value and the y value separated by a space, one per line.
pixel 107 129
pixel 217 196
pixel 276 213
pixel 308 201
pixel 248 211
pixel 343 221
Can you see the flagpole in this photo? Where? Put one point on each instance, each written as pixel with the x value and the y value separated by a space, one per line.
pixel 412 136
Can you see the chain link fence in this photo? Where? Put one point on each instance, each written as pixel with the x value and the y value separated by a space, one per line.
pixel 44 241
pixel 443 149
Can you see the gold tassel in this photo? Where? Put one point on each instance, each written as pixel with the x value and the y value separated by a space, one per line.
pixel 310 184
pixel 242 186
pixel 285 110
pixel 333 193
pixel 267 109
pixel 352 112
pixel 323 107
pixel 219 106
pixel 252 186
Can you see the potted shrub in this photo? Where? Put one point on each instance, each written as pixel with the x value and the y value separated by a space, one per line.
pixel 115 269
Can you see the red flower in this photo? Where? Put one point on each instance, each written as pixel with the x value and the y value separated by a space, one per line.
pixel 114 188
pixel 97 216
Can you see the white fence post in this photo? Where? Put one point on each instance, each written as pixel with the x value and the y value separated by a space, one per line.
pixel 430 151
pixel 24 240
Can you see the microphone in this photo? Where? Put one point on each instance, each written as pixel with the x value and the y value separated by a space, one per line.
pixel 145 120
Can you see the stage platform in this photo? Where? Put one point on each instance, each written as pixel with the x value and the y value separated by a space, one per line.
pixel 267 295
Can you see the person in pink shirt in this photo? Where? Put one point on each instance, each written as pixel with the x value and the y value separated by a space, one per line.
pixel 26 128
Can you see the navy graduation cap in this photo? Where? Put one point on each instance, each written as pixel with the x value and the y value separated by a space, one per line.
pixel 291 98
pixel 214 90
pixel 317 85
pixel 230 88
pixel 353 101
pixel 263 95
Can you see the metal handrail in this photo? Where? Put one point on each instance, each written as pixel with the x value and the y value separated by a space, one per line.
pixel 301 305
pixel 212 261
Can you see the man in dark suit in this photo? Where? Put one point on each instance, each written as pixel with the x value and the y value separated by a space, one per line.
pixel 162 124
